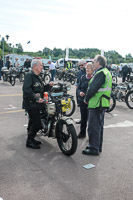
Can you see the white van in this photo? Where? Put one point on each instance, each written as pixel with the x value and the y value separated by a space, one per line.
pixel 63 61
pixel 21 58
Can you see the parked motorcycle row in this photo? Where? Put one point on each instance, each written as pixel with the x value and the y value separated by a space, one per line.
pixel 10 75
pixel 66 75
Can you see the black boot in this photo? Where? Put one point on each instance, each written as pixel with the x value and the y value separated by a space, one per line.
pixel 31 144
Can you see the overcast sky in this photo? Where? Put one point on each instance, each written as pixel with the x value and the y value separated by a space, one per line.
pixel 102 24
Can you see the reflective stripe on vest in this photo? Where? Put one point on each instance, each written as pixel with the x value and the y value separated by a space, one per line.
pixel 107 88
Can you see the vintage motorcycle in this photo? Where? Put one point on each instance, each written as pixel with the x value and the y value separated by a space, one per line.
pixel 70 76
pixel 56 125
pixel 122 92
pixel 68 99
pixel 8 75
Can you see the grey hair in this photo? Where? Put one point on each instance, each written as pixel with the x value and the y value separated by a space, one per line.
pixel 101 59
pixel 34 62
pixel 81 62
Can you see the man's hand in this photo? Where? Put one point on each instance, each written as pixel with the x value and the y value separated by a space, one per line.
pixel 51 83
pixel 85 102
pixel 82 94
pixel 40 100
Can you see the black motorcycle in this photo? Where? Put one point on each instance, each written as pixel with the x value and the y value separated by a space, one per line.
pixel 56 125
pixel 122 92
pixel 70 76
pixel 67 99
pixel 8 75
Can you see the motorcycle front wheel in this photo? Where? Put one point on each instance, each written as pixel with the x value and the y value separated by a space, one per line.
pixel 129 99
pixel 66 137
pixel 73 80
pixel 114 79
pixel 46 78
pixel 21 77
pixel 112 103
pixel 12 80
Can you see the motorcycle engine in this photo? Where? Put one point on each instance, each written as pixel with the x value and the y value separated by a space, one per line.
pixel 119 96
pixel 44 125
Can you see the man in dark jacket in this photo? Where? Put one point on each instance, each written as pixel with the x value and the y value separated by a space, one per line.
pixel 27 63
pixel 98 99
pixel 33 90
pixel 80 73
pixel 1 65
pixel 125 71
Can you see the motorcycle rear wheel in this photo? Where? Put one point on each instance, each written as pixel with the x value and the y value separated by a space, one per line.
pixel 73 106
pixel 129 99
pixel 66 138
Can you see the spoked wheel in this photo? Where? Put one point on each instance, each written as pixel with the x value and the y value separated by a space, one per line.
pixel 21 78
pixel 66 137
pixel 114 79
pixel 73 80
pixel 129 99
pixel 12 80
pixel 46 78
pixel 72 110
pixel 4 77
pixel 112 103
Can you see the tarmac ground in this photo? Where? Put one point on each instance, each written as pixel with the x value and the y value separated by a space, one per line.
pixel 28 174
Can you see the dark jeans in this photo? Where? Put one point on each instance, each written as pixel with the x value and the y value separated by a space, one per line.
pixel 95 127
pixel 0 72
pixel 52 74
pixel 34 124
pixel 84 116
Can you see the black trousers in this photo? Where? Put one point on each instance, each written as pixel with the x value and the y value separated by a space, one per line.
pixel 124 77
pixel 95 127
pixel 34 124
pixel 84 117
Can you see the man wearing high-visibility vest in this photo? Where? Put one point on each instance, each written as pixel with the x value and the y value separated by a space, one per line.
pixel 98 99
pixel 69 65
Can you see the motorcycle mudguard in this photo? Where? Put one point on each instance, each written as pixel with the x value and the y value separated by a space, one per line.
pixel 68 121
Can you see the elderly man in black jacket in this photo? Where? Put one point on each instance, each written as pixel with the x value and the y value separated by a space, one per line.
pixel 33 89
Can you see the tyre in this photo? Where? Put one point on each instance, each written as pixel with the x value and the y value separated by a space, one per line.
pixel 73 107
pixel 46 78
pixel 4 77
pixel 114 79
pixel 66 137
pixel 112 103
pixel 129 99
pixel 73 81
pixel 12 80
pixel 21 77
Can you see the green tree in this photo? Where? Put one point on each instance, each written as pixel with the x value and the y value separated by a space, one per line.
pixel 1 52
pixel 19 48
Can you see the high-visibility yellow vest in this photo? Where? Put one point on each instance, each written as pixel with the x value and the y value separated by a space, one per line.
pixel 102 96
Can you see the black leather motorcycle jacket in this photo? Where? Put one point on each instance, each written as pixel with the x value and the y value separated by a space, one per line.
pixel 33 89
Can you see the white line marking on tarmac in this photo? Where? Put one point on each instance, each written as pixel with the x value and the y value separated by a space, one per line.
pixel 115 115
pixel 121 124
pixel 11 107
pixel 25 124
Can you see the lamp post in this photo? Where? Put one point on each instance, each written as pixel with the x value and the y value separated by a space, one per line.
pixel 3 40
pixel 13 53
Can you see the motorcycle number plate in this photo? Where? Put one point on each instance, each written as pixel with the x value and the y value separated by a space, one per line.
pixel 66 105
